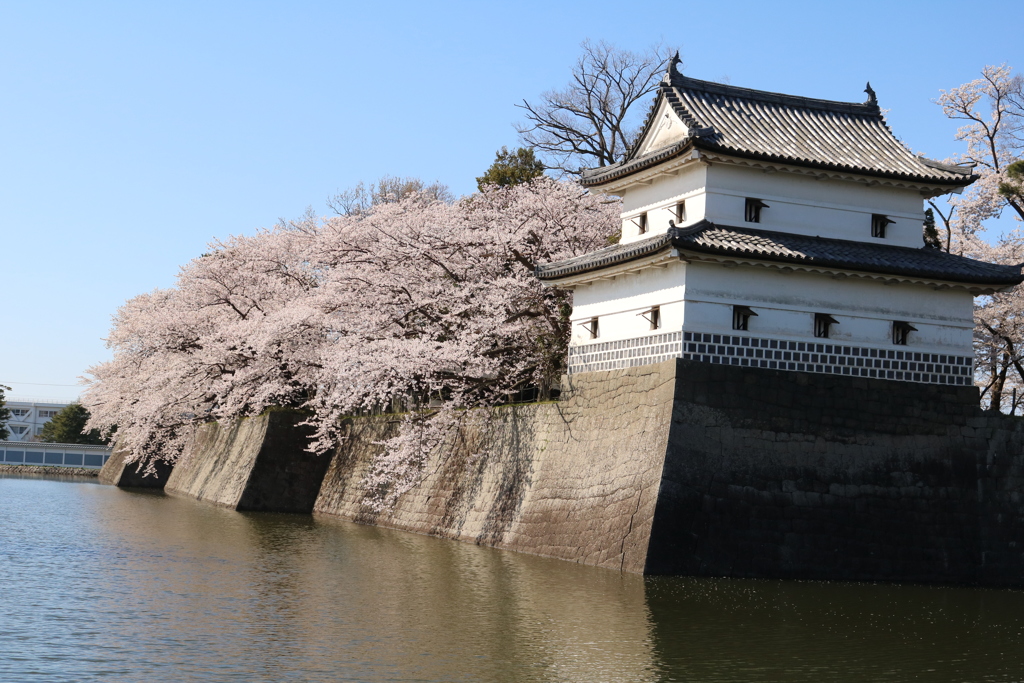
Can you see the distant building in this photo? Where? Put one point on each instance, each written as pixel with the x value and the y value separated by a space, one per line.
pixel 54 454
pixel 28 418
pixel 780 232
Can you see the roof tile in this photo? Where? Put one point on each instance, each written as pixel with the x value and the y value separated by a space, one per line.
pixel 766 245
pixel 801 131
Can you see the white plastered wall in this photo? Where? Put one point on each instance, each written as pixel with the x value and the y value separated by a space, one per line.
pixel 798 204
pixel 619 303
pixel 659 199
pixel 806 206
pixel 666 129
pixel 702 295
pixel 865 309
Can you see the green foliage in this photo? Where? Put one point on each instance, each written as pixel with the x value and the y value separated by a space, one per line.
pixel 5 414
pixel 68 426
pixel 511 168
pixel 931 235
pixel 1013 190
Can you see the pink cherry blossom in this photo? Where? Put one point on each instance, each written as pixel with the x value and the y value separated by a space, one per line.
pixel 418 305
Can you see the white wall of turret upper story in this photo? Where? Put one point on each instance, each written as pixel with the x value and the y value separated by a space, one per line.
pixel 619 304
pixel 800 204
pixel 700 297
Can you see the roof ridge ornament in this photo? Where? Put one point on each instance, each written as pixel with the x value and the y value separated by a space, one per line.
pixel 673 68
pixel 872 98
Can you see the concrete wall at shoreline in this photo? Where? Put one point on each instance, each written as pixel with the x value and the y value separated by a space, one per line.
pixel 576 480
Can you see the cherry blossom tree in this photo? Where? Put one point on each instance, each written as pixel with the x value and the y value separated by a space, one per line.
pixel 420 305
pixel 999 331
pixel 992 109
pixel 389 188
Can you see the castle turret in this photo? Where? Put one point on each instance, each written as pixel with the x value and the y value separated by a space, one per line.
pixel 774 231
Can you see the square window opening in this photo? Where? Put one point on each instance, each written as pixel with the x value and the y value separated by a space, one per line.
pixel 653 317
pixel 741 317
pixel 823 323
pixel 901 332
pixel 641 223
pixel 752 213
pixel 879 223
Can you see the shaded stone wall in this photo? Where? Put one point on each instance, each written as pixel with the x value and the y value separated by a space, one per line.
pixel 117 472
pixel 790 475
pixel 576 480
pixel 257 463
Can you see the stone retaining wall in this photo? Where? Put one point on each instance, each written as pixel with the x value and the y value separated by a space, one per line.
pixel 789 475
pixel 257 463
pixel 576 480
pixel 680 467
pixel 117 472
pixel 49 470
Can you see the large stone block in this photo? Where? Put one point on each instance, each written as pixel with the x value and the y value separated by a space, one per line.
pixel 876 487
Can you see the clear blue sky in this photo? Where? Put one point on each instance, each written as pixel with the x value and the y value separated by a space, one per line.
pixel 133 133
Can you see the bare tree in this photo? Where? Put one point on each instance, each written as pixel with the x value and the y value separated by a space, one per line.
pixel 592 121
pixel 388 189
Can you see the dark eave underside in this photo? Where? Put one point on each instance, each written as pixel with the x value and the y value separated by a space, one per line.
pixel 780 247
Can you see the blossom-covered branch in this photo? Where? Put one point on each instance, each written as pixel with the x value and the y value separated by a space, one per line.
pixel 415 304
pixel 992 109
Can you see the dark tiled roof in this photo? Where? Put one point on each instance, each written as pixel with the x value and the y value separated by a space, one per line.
pixel 609 256
pixel 841 136
pixel 766 245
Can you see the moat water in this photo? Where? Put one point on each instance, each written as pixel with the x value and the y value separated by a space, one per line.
pixel 102 584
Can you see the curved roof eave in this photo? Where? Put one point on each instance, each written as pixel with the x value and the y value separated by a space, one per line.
pixel 776 247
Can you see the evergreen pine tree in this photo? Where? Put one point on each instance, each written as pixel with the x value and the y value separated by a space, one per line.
pixel 511 168
pixel 68 426
pixel 931 235
pixel 5 414
pixel 1013 188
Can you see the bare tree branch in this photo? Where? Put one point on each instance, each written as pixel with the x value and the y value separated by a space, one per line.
pixel 592 121
pixel 388 189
